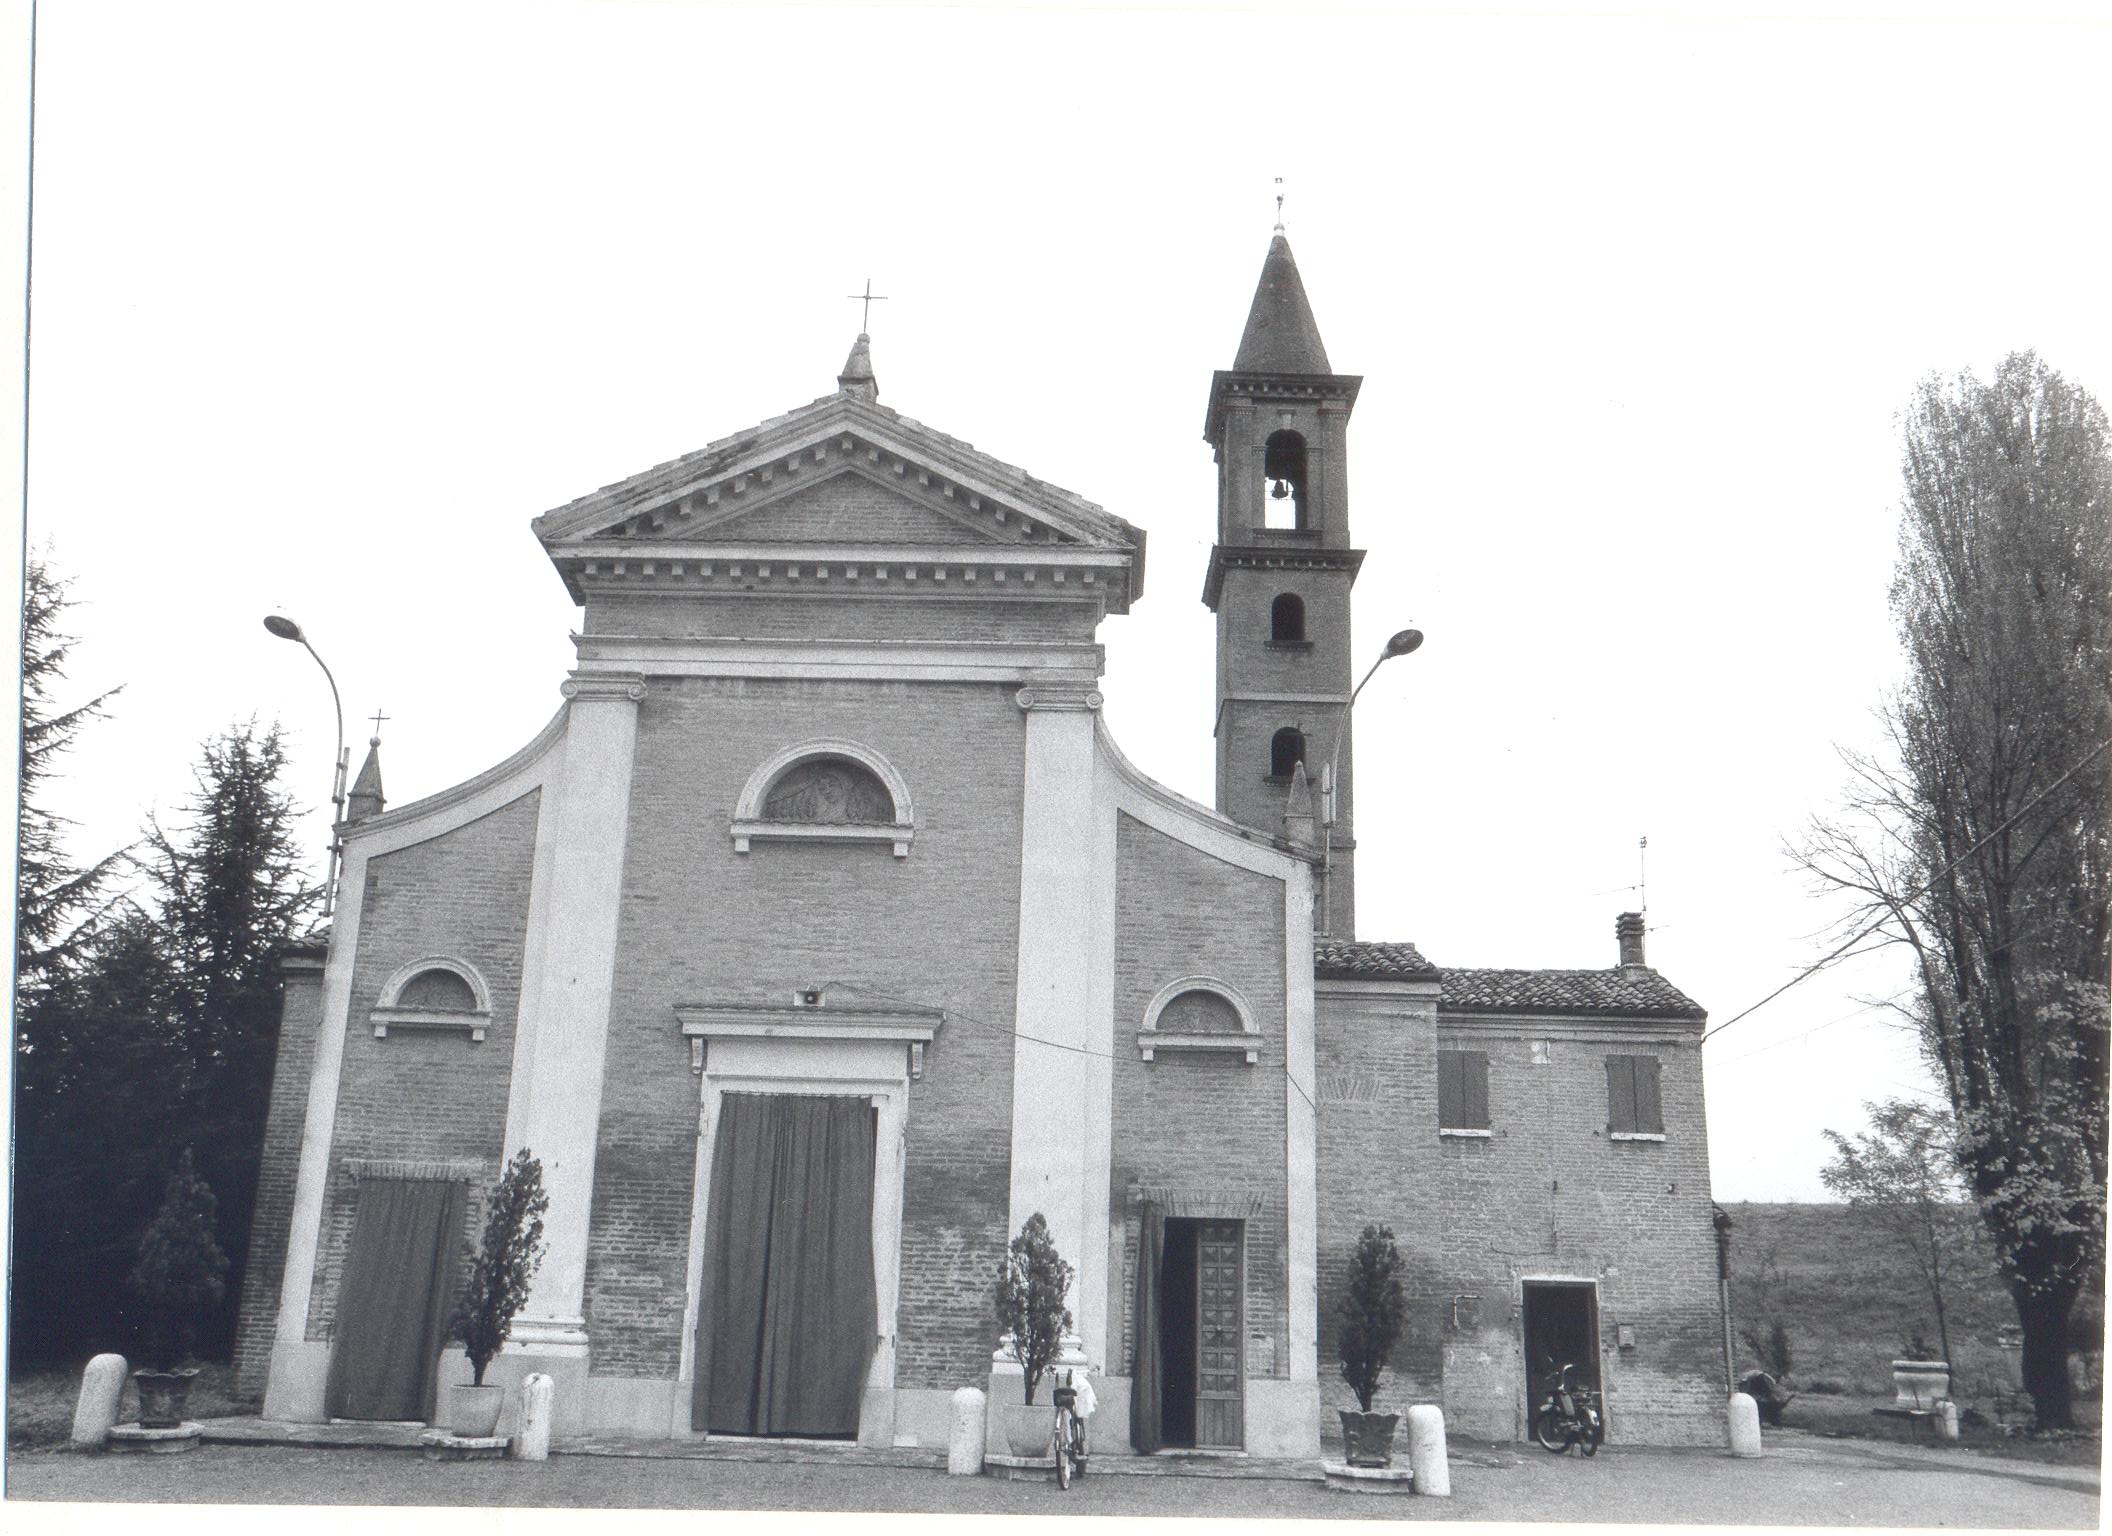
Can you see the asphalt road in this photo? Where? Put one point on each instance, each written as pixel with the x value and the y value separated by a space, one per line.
pixel 1801 1481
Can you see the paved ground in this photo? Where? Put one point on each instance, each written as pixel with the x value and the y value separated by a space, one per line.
pixel 1802 1480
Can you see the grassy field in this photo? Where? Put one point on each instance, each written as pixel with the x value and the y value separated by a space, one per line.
pixel 1850 1304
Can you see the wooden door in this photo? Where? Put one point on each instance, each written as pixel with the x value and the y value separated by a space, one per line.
pixel 1220 1326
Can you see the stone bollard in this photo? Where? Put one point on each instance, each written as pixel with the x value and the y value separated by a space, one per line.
pixel 1745 1425
pixel 1426 1450
pixel 533 1441
pixel 1947 1420
pixel 102 1389
pixel 964 1447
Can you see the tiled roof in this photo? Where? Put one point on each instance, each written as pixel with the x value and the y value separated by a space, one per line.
pixel 1339 959
pixel 1632 992
pixel 1636 991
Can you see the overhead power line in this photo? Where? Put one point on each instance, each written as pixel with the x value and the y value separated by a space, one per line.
pixel 1878 922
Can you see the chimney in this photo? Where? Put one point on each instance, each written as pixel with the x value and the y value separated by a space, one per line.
pixel 1628 928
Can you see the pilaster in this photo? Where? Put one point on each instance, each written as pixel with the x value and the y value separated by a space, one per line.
pixel 1056 1033
pixel 567 975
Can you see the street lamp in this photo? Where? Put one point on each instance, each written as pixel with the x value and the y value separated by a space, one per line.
pixel 1402 642
pixel 286 629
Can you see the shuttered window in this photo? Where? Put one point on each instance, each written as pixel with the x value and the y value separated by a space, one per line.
pixel 1462 1091
pixel 1633 1107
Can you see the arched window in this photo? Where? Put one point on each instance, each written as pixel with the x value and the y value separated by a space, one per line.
pixel 1286 751
pixel 1287 620
pixel 825 791
pixel 1283 468
pixel 436 993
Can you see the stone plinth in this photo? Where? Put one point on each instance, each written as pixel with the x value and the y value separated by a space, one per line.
pixel 1744 1425
pixel 439 1445
pixel 136 1439
pixel 965 1442
pixel 1344 1478
pixel 537 1394
pixel 1427 1458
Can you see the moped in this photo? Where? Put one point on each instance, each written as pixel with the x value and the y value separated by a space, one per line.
pixel 1569 1415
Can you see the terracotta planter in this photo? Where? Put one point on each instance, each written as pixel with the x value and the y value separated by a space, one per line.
pixel 471 1413
pixel 1027 1429
pixel 163 1396
pixel 1367 1438
pixel 1920 1383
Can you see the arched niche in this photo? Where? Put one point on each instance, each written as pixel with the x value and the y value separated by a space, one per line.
pixel 438 992
pixel 1199 1013
pixel 826 791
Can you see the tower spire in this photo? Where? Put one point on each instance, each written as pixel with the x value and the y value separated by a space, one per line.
pixel 857 377
pixel 1281 334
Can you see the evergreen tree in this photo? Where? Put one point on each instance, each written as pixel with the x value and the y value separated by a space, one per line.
pixel 52 895
pixel 231 895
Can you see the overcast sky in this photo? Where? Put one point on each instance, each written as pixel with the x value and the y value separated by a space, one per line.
pixel 331 300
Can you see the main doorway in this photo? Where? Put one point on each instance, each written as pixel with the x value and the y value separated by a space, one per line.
pixel 787 1309
pixel 1202 1312
pixel 1560 1320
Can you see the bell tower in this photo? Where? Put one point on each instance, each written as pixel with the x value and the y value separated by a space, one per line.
pixel 1280 576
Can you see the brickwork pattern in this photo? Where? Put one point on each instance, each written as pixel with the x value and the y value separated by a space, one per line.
pixel 701 923
pixel 1203 1125
pixel 279 1165
pixel 1550 1194
pixel 1376 1070
pixel 834 608
pixel 419 1094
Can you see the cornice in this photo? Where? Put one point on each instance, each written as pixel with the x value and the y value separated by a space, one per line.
pixel 1338 389
pixel 1275 557
pixel 1016 572
pixel 945 661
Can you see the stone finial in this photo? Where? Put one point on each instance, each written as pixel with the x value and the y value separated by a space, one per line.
pixel 857 376
pixel 1301 821
pixel 1628 928
pixel 365 800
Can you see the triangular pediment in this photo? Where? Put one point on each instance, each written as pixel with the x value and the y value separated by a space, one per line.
pixel 841 470
pixel 848 504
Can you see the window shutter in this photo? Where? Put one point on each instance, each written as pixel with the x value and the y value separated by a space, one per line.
pixel 1649 1108
pixel 1450 1105
pixel 1474 1081
pixel 1620 1093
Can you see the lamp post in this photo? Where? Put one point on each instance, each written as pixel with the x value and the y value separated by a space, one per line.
pixel 286 629
pixel 1720 1219
pixel 1402 642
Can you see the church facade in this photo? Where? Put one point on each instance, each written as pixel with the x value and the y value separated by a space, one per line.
pixel 824 935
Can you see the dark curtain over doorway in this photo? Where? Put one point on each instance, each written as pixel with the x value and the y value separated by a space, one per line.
pixel 392 1304
pixel 1145 1386
pixel 787 1312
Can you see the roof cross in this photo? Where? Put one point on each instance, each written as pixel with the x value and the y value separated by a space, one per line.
pixel 1279 205
pixel 865 318
pixel 378 718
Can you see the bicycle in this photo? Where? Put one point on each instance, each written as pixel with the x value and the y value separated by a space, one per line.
pixel 1569 1415
pixel 1067 1440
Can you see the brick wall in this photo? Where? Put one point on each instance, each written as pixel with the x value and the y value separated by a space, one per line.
pixel 701 923
pixel 279 1164
pixel 1206 1127
pixel 420 1094
pixel 1549 1194
pixel 1376 1068
pixel 917 612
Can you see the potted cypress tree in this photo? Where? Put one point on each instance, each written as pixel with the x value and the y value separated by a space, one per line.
pixel 1370 1315
pixel 1032 1281
pixel 500 1268
pixel 179 1273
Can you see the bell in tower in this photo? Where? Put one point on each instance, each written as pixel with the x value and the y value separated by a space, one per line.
pixel 1280 577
